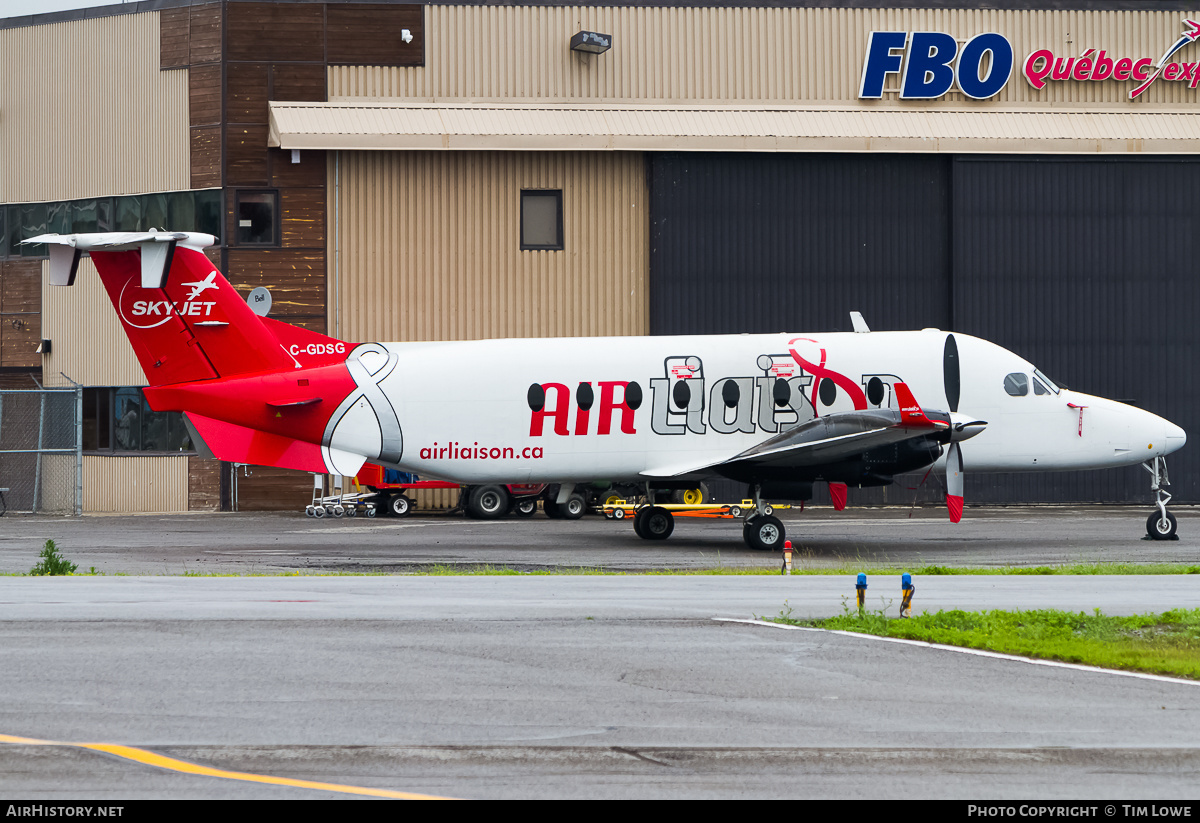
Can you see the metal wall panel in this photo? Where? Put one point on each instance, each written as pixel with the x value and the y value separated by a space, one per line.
pixel 87 112
pixel 769 243
pixel 88 346
pixel 426 246
pixel 1082 267
pixel 766 54
pixel 135 484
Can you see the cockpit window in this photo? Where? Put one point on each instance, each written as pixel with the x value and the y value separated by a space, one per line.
pixel 1016 384
pixel 1037 373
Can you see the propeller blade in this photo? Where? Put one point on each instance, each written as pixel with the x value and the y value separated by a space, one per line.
pixel 950 372
pixel 837 493
pixel 954 482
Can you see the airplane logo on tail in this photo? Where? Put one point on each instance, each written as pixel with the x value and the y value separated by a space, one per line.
pixel 200 286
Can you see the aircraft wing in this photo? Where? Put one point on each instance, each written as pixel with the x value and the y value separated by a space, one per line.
pixel 829 438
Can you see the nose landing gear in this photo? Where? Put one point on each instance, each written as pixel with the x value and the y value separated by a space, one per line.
pixel 1161 525
pixel 762 531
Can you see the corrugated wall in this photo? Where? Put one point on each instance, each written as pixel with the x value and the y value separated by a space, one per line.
pixel 762 54
pixel 86 111
pixel 135 484
pixel 426 246
pixel 87 343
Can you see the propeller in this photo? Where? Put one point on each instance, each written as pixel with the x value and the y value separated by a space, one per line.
pixel 961 428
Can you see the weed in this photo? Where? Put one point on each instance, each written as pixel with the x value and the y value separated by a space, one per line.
pixel 52 563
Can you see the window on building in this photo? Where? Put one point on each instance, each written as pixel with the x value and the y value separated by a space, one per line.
pixel 258 218
pixel 541 220
pixel 120 420
pixel 193 210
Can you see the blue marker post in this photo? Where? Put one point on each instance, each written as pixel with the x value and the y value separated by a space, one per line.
pixel 862 590
pixel 906 585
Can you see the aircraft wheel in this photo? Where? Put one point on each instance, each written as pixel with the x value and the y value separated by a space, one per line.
pixel 487 502
pixel 399 506
pixel 657 523
pixel 691 497
pixel 525 507
pixel 639 518
pixel 574 508
pixel 764 533
pixel 1158 530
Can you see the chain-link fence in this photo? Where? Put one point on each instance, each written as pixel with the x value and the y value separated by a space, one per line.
pixel 41 456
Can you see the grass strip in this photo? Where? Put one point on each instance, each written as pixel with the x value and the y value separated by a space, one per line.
pixel 1166 643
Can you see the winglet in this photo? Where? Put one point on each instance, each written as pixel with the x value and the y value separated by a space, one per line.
pixel 911 413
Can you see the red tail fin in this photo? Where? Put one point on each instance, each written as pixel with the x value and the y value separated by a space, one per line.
pixel 195 327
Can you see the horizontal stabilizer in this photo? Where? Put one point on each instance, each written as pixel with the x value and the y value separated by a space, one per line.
pixel 238 444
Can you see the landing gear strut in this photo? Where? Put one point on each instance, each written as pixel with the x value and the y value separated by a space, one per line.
pixel 1161 525
pixel 762 531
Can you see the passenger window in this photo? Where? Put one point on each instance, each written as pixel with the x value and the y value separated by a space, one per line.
pixel 1016 384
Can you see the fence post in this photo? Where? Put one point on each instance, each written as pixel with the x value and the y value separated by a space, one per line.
pixel 78 450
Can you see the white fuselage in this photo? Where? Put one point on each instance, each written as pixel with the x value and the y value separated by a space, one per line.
pixel 467 412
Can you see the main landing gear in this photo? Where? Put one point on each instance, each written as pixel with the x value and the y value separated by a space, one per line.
pixel 1161 525
pixel 761 530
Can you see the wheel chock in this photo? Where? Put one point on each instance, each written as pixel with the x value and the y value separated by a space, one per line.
pixel 861 586
pixel 906 585
pixel 787 557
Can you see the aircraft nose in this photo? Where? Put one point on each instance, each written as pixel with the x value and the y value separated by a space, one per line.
pixel 1174 438
pixel 1160 436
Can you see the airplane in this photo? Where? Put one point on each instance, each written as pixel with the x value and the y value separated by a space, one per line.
pixel 779 412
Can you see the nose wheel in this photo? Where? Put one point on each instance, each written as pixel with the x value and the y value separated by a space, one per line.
pixel 1161 525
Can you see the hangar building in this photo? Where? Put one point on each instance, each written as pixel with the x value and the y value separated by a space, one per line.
pixel 1021 171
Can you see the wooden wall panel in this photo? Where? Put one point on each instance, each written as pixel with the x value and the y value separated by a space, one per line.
pixel 303 213
pixel 19 340
pixel 204 94
pixel 368 34
pixel 269 31
pixel 296 278
pixel 298 81
pixel 174 38
pixel 206 157
pixel 270 489
pixel 308 173
pixel 21 286
pixel 245 155
pixel 20 313
pixel 204 484
pixel 206 34
pixel 246 93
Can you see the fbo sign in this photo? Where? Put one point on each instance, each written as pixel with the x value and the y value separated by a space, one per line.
pixel 936 64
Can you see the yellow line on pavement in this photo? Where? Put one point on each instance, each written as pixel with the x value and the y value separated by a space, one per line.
pixel 151 759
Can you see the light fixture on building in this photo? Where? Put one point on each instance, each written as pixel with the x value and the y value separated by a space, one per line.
pixel 43 347
pixel 591 42
pixel 295 155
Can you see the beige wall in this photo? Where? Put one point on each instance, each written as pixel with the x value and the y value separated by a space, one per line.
pixel 87 344
pixel 85 111
pixel 743 54
pixel 426 246
pixel 135 484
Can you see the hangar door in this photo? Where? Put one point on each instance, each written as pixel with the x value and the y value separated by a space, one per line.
pixel 1082 266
